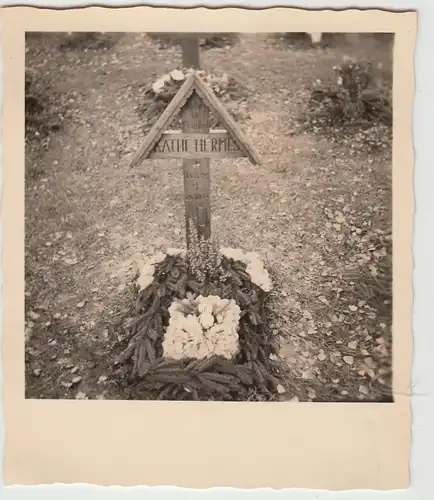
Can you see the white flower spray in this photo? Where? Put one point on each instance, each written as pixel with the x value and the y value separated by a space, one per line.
pixel 255 267
pixel 147 271
pixel 202 327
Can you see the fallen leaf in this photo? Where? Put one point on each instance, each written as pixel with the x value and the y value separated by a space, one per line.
pixel 307 375
pixel 363 390
pixel 353 308
pixel 369 362
pixel 307 315
pixel 70 262
pixel 34 315
pixel 321 356
pixel 28 334
pixel 352 344
pixel 281 389
pixel 76 379
pixel 349 360
pixel 80 305
pixel 322 299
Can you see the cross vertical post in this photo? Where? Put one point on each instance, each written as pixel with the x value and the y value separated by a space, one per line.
pixel 197 184
pixel 190 52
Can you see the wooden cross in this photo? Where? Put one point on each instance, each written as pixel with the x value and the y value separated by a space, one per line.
pixel 196 144
pixel 190 51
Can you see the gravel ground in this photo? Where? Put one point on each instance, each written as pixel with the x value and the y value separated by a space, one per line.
pixel 319 214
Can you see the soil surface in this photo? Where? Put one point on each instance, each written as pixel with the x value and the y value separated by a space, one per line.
pixel 318 212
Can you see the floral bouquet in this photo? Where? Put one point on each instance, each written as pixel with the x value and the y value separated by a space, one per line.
pixel 200 330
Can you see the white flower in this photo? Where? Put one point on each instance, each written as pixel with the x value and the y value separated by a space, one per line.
pixel 339 81
pixel 254 266
pixel 147 271
pixel 157 258
pixel 191 336
pixel 201 308
pixel 175 252
pixel 144 281
pixel 232 253
pixel 206 320
pixel 253 256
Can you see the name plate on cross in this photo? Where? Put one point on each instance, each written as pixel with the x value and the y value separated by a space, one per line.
pixel 196 144
pixel 215 144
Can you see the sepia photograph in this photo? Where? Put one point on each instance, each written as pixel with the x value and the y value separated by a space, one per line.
pixel 208 216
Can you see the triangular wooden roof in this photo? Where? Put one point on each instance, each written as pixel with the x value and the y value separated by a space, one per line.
pixel 194 83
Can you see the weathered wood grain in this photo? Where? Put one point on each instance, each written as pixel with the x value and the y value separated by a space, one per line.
pixel 197 185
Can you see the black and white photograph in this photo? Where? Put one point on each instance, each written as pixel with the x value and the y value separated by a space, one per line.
pixel 208 216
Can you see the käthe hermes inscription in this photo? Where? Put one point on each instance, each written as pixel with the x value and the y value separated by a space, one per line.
pixel 182 145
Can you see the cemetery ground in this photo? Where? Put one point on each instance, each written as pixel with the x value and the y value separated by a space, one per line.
pixel 318 211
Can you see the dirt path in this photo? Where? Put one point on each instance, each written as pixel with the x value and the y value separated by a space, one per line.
pixel 90 219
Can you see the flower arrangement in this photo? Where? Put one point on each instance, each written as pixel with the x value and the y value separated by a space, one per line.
pixel 146 276
pixel 204 261
pixel 199 338
pixel 202 327
pixel 255 267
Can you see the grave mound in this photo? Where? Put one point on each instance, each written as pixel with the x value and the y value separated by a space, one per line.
pixel 159 94
pixel 199 329
pixel 207 41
